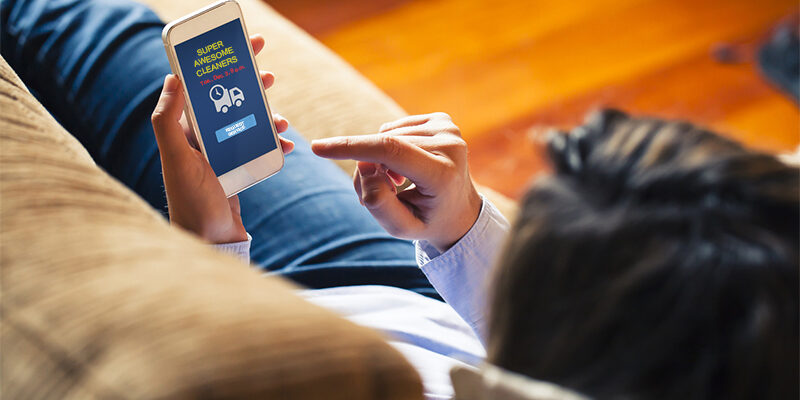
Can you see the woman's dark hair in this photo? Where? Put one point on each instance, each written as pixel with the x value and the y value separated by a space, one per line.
pixel 659 261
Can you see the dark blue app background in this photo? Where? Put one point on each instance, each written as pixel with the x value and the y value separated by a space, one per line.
pixel 228 107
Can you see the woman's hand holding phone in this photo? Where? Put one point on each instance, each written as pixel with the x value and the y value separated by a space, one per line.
pixel 442 204
pixel 195 198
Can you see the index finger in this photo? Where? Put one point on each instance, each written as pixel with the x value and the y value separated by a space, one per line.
pixel 395 153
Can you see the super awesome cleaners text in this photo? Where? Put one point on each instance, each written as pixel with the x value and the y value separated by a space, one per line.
pixel 214 57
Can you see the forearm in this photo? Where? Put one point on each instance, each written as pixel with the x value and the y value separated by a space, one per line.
pixel 461 273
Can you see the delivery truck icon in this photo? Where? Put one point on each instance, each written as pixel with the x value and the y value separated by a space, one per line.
pixel 224 99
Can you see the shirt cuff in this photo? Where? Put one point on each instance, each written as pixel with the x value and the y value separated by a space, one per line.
pixel 460 274
pixel 490 225
pixel 240 250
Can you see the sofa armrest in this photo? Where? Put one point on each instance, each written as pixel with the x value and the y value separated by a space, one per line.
pixel 102 298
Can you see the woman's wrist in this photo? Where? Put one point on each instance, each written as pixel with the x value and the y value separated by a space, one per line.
pixel 234 235
pixel 462 224
pixel 215 234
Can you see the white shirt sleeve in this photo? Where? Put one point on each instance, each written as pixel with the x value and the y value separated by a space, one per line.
pixel 240 250
pixel 461 273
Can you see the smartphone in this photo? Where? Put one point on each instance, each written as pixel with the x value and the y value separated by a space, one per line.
pixel 226 107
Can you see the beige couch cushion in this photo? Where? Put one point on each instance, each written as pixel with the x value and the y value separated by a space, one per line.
pixel 101 298
pixel 316 90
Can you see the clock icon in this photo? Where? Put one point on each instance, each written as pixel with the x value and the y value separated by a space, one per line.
pixel 221 98
pixel 216 93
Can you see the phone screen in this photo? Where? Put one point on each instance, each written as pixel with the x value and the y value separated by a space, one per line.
pixel 225 95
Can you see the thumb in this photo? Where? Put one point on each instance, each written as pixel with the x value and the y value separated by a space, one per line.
pixel 166 119
pixel 379 196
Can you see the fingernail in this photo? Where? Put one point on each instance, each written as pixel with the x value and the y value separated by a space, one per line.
pixel 367 168
pixel 170 83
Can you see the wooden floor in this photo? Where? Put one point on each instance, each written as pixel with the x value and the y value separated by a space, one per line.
pixel 509 70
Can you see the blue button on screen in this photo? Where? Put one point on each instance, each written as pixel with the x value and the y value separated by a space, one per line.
pixel 236 128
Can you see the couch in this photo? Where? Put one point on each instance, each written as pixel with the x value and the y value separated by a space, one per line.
pixel 101 298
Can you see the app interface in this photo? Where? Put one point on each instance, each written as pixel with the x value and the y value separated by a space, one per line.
pixel 228 106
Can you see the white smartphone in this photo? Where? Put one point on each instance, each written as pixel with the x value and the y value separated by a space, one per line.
pixel 209 50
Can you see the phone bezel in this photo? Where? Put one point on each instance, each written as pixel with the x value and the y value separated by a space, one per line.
pixel 190 26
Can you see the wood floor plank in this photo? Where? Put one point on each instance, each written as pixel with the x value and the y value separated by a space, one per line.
pixel 318 17
pixel 505 75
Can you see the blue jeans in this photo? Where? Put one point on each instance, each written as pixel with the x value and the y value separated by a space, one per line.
pixel 98 67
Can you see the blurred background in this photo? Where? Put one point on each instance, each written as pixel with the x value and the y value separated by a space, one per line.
pixel 507 71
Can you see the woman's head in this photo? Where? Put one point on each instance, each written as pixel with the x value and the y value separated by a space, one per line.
pixel 659 260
